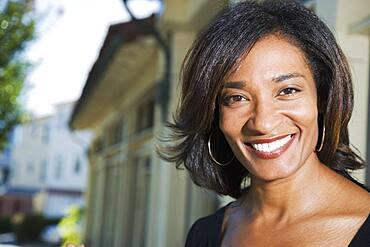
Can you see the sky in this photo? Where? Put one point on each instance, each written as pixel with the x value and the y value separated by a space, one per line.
pixel 69 36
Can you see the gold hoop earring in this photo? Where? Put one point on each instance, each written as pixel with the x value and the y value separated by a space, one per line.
pixel 322 137
pixel 210 152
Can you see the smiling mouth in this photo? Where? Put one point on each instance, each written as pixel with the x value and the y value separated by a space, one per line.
pixel 271 148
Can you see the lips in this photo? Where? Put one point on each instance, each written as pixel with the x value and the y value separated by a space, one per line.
pixel 270 148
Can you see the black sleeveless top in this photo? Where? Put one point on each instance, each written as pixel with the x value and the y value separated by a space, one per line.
pixel 206 232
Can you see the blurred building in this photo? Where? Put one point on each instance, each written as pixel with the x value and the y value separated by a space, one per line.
pixel 4 164
pixel 48 165
pixel 12 201
pixel 135 199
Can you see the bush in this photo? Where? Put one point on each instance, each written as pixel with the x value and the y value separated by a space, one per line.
pixel 29 227
pixel 6 225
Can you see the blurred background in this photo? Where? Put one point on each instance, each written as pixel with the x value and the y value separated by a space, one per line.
pixel 86 85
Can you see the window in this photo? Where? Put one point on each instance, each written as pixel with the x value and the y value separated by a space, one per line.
pixel 44 165
pixel 46 134
pixel 98 145
pixel 30 167
pixel 114 133
pixel 14 170
pixel 58 168
pixel 145 116
pixel 77 166
pixel 118 132
pixel 140 200
pixel 110 200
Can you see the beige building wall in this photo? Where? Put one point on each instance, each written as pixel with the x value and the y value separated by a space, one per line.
pixel 340 16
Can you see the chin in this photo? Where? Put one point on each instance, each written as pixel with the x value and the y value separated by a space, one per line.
pixel 272 171
pixel 271 177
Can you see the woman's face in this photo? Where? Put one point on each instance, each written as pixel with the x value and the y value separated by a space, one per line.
pixel 268 110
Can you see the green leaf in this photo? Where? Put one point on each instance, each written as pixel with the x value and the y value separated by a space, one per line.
pixel 17 29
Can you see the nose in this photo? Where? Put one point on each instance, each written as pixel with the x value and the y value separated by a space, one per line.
pixel 264 118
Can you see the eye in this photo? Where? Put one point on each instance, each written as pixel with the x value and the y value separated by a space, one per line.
pixel 289 91
pixel 231 99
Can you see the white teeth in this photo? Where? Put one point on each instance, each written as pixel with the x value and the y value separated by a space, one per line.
pixel 280 143
pixel 272 146
pixel 259 146
pixel 265 147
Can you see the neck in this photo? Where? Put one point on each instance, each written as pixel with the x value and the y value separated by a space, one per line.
pixel 301 194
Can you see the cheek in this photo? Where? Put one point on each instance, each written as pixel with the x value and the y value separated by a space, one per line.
pixel 231 121
pixel 305 114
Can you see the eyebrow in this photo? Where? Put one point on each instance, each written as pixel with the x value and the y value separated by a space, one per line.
pixel 285 77
pixel 235 84
pixel 279 78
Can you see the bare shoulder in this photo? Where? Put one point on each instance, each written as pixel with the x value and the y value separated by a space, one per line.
pixel 356 200
pixel 349 209
pixel 364 200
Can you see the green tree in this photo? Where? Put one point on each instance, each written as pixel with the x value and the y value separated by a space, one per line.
pixel 17 28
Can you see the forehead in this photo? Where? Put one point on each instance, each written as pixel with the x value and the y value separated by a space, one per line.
pixel 270 57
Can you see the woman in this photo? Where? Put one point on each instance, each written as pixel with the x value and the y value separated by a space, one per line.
pixel 266 98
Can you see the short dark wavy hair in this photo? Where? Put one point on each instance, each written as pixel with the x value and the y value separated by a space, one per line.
pixel 216 53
